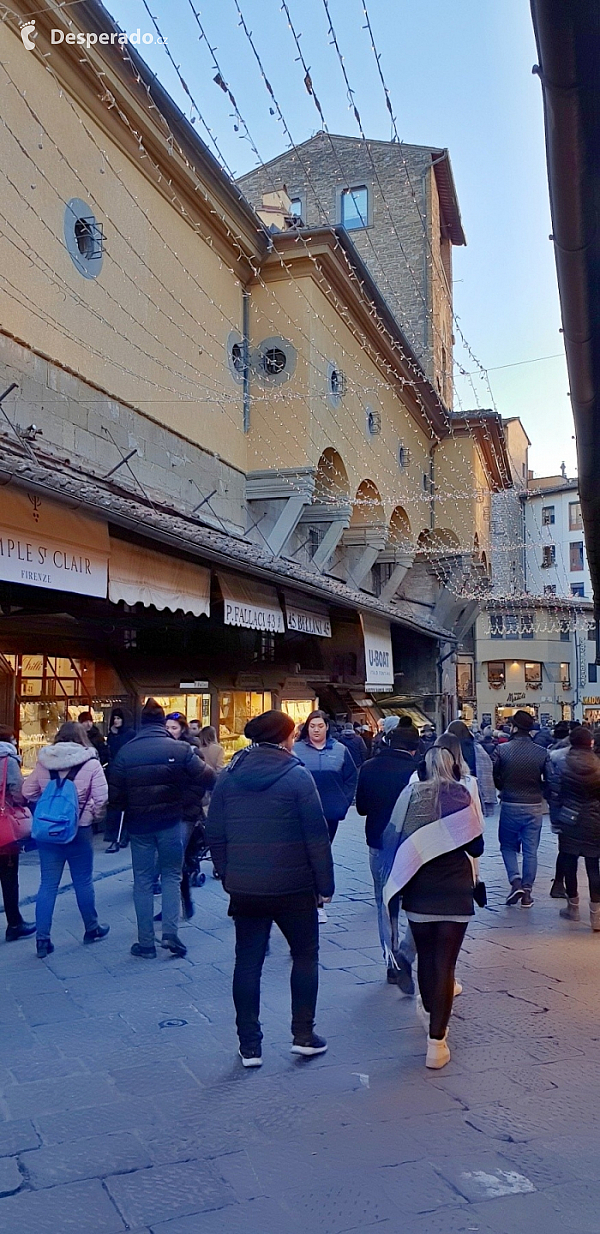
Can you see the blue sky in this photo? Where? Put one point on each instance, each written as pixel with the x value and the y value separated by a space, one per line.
pixel 459 76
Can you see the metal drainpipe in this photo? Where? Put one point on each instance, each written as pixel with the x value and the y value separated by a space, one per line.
pixel 246 357
pixel 432 485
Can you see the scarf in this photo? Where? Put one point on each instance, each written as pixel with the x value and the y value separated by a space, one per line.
pixel 417 836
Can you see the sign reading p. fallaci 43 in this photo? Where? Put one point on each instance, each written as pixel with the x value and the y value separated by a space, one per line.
pixel 44 544
pixel 379 660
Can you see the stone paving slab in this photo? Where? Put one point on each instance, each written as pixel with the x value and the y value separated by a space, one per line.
pixel 123 1104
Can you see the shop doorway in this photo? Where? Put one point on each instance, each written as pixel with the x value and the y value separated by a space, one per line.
pixel 505 714
pixel 48 691
pixel 299 708
pixel 192 706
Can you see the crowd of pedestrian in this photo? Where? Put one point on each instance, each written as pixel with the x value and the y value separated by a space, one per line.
pixel 270 818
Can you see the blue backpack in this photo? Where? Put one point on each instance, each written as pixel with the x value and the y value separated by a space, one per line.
pixel 56 816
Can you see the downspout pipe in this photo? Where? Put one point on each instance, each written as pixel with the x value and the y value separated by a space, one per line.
pixel 246 358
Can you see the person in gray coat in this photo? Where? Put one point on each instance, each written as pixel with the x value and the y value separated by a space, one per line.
pixel 11 777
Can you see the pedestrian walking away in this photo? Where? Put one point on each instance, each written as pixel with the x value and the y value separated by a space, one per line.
pixel 558 753
pixel 333 770
pixel 73 758
pixel 192 804
pixel 270 844
pixel 380 782
pixel 576 794
pixel 11 779
pixel 522 773
pixel 119 733
pixel 353 742
pixel 478 762
pixel 213 752
pixel 149 780
pixel 435 883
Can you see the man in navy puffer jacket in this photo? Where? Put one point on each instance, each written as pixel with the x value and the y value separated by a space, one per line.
pixel 270 846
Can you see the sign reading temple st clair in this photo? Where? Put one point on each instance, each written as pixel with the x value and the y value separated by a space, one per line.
pixel 43 544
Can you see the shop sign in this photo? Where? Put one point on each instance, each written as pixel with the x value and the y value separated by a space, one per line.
pixel 516 697
pixel 589 701
pixel 251 605
pixel 44 544
pixel 307 621
pixel 193 685
pixel 378 654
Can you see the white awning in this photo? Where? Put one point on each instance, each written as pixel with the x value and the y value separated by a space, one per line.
pixel 46 544
pixel 305 616
pixel 141 576
pixel 379 660
pixel 250 604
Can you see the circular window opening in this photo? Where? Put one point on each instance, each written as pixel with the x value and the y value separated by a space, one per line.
pixel 337 383
pixel 274 361
pixel 84 238
pixel 237 357
pixel 403 457
pixel 373 422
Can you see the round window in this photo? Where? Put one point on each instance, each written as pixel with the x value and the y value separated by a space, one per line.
pixel 336 384
pixel 403 457
pixel 84 238
pixel 236 356
pixel 373 422
pixel 274 361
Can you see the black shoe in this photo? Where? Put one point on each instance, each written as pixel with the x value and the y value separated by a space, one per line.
pixel 174 944
pixel 157 888
pixel 143 953
pixel 557 890
pixel 188 907
pixel 123 843
pixel 392 975
pixel 309 1045
pixel 526 898
pixel 92 936
pixel 404 977
pixel 113 848
pixel 44 947
pixel 23 930
pixel 516 894
pixel 251 1058
pixel 157 917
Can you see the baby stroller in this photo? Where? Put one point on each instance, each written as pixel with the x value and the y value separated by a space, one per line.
pixel 197 850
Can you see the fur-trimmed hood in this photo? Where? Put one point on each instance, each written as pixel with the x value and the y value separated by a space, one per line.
pixel 65 754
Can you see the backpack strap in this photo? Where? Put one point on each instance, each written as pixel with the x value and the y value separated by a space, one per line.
pixel 3 785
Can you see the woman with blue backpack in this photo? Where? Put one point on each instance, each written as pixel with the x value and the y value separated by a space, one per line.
pixel 69 788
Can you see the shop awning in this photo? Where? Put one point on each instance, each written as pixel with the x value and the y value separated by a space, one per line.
pixel 141 576
pixel 417 716
pixel 379 660
pixel 46 544
pixel 305 616
pixel 250 604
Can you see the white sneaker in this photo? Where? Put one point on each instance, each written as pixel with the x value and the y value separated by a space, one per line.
pixel 251 1058
pixel 422 1014
pixel 438 1054
pixel 457 989
pixel 322 915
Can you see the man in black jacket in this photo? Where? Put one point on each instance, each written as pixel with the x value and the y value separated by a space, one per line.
pixel 149 780
pixel 270 845
pixel 522 771
pixel 380 782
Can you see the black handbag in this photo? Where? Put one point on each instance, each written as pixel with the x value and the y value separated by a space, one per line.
pixel 480 894
pixel 568 817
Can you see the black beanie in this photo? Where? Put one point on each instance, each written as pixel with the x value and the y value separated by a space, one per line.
pixel 272 727
pixel 152 712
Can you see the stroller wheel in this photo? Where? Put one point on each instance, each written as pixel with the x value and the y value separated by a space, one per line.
pixel 217 876
pixel 197 879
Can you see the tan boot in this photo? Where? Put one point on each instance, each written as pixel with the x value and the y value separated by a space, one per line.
pixel 595 917
pixel 438 1054
pixel 571 910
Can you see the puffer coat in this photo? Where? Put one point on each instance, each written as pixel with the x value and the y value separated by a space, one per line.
pixel 579 789
pixel 334 773
pixel 89 780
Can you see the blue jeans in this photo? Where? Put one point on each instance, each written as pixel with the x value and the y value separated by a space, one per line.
pixel 167 845
pixel 520 827
pixel 79 855
pixel 388 936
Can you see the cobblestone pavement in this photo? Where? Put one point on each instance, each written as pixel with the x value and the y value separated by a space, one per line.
pixel 124 1106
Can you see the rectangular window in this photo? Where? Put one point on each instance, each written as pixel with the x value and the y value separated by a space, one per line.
pixel 565 676
pixel 527 625
pixel 547 516
pixel 565 631
pixel 592 674
pixel 355 208
pixel 592 632
pixel 550 589
pixel 296 208
pixel 511 625
pixel 548 556
pixel 575 519
pixel 576 555
pixel 578 589
pixel 496 625
pixel 533 674
pixel 496 673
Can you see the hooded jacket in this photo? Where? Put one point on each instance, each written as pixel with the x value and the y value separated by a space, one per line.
pixel 355 744
pixel 14 778
pixel 576 784
pixel 116 741
pixel 266 828
pixel 151 779
pixel 380 782
pixel 90 780
pixel 334 773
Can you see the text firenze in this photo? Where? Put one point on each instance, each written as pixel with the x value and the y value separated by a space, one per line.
pixel 39 555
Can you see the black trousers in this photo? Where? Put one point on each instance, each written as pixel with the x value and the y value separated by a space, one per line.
pixel 296 916
pixel 438 944
pixel 9 881
pixel 592 865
